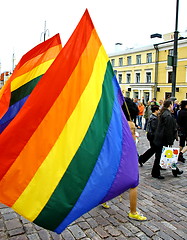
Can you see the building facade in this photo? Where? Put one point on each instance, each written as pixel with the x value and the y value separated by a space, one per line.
pixel 4 77
pixel 147 71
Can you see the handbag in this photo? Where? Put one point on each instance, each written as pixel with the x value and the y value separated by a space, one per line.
pixel 169 157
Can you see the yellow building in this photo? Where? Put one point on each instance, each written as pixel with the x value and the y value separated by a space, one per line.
pixel 146 72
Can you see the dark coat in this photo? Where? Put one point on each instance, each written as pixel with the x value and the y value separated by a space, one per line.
pixel 182 121
pixel 132 107
pixel 166 130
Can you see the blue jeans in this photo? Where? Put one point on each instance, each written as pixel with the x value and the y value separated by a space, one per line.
pixel 140 121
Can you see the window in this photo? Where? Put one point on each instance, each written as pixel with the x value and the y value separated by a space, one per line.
pixel 138 59
pixel 128 77
pixel 149 57
pixel 135 95
pixel 170 52
pixel 127 94
pixel 120 62
pixel 113 62
pixel 137 80
pixel 169 77
pixel 167 95
pixel 129 60
pixel 120 78
pixel 148 77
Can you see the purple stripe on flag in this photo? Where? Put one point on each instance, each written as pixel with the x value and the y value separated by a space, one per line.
pixel 128 172
pixel 11 113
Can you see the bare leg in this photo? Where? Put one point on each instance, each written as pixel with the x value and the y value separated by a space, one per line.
pixel 133 204
pixel 133 199
pixel 184 149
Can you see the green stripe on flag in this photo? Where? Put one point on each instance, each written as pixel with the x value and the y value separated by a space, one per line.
pixel 24 90
pixel 75 178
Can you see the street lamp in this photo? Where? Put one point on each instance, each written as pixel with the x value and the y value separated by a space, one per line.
pixel 175 54
pixel 156 35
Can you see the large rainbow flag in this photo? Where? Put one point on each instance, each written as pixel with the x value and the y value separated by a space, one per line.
pixel 25 77
pixel 69 148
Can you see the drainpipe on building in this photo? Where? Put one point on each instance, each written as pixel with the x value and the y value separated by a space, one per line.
pixel 156 69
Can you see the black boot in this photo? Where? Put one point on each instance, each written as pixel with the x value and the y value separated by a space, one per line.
pixel 176 172
pixel 140 162
pixel 181 158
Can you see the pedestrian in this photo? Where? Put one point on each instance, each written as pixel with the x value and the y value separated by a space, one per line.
pixel 151 128
pixel 133 192
pixel 134 118
pixel 165 135
pixel 154 102
pixel 160 103
pixel 147 113
pixel 182 129
pixel 140 114
pixel 132 108
pixel 176 107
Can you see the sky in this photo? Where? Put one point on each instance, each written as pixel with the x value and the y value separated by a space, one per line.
pixel 130 22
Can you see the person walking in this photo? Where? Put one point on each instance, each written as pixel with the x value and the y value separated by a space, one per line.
pixel 140 114
pixel 182 129
pixel 165 135
pixel 151 128
pixel 128 109
pixel 134 118
pixel 147 113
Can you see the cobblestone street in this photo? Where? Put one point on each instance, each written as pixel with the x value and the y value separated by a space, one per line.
pixel 163 202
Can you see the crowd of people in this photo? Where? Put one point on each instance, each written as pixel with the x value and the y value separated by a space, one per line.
pixel 165 122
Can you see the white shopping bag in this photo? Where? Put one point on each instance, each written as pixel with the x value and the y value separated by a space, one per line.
pixel 169 157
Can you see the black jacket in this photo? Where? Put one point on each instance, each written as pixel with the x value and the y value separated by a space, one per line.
pixel 152 126
pixel 182 120
pixel 132 108
pixel 166 131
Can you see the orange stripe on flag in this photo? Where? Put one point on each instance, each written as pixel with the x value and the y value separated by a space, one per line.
pixel 35 148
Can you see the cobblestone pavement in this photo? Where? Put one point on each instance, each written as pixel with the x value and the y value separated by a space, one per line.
pixel 164 202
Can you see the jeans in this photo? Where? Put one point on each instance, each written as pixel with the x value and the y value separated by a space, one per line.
pixel 140 121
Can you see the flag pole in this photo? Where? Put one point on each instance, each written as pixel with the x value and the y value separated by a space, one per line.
pixel 44 32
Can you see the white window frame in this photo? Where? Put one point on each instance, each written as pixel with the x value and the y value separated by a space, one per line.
pixel 167 79
pixel 171 52
pixel 128 73
pixel 146 72
pixel 120 78
pixel 120 62
pixel 137 72
pixel 138 59
pixel 149 57
pixel 113 62
pixel 129 60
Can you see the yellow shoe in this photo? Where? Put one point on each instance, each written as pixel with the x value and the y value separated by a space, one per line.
pixel 105 205
pixel 137 217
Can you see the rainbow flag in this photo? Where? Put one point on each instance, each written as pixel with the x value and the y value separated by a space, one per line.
pixel 75 150
pixel 25 77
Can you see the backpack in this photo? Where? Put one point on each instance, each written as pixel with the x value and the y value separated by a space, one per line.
pixel 149 130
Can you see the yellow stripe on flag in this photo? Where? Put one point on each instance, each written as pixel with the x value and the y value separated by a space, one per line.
pixel 33 199
pixel 35 72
